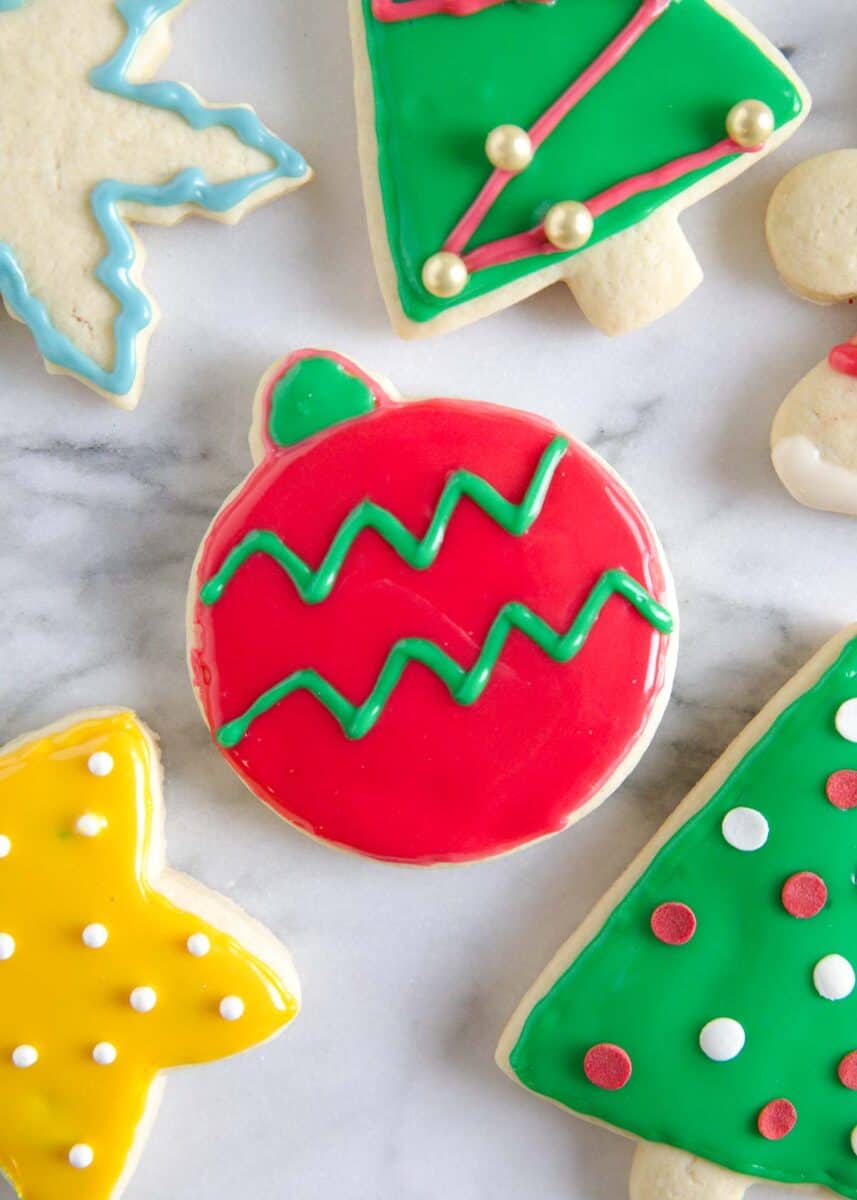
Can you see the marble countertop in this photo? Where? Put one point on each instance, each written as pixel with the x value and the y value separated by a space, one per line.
pixel 386 1088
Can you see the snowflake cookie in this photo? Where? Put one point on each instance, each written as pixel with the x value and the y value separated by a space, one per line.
pixel 87 145
pixel 812 234
pixel 706 1006
pixel 113 967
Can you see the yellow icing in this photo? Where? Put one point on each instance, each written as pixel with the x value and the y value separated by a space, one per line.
pixel 63 998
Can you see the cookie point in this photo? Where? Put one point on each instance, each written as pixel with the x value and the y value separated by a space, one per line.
pixel 750 124
pixel 569 225
pixel 445 275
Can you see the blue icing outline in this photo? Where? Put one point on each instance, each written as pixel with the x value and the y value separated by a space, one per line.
pixel 188 187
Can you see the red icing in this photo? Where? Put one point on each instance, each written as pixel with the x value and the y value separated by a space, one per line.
pixel 673 923
pixel 844 359
pixel 847 1071
pixel 842 789
pixel 409 10
pixel 433 781
pixel 607 1066
pixel 777 1120
pixel 804 895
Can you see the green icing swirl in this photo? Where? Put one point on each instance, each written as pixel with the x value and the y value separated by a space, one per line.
pixel 749 960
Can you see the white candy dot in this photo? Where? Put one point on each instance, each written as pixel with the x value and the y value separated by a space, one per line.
pixel 89 825
pixel 143 999
pixel 745 829
pixel 854 1139
pixel 846 720
pixel 7 946
pixel 25 1056
pixel 232 1008
pixel 94 936
pixel 722 1039
pixel 81 1156
pixel 104 1054
pixel 5 846
pixel 100 763
pixel 198 945
pixel 834 977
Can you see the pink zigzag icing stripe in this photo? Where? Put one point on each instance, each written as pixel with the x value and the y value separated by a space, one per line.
pixel 645 17
pixel 409 10
pixel 534 241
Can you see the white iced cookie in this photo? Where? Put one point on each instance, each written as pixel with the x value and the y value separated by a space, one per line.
pixel 812 234
pixel 87 144
pixel 508 146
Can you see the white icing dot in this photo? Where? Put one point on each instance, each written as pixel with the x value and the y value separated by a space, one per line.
pixel 5 846
pixel 854 1139
pixel 198 945
pixel 846 720
pixel 94 936
pixel 100 763
pixel 89 825
pixel 81 1156
pixel 232 1008
pixel 143 999
pixel 7 946
pixel 722 1039
pixel 104 1054
pixel 745 829
pixel 25 1056
pixel 834 977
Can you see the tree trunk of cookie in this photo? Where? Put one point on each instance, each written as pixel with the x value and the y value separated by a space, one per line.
pixel 636 276
pixel 662 1173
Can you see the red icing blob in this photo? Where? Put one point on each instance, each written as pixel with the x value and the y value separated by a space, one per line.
pixel 433 780
pixel 607 1066
pixel 804 894
pixel 777 1120
pixel 847 1070
pixel 673 923
pixel 842 789
pixel 844 359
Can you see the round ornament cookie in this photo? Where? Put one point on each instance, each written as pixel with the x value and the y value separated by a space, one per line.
pixel 89 143
pixel 813 240
pixel 706 1007
pixel 114 968
pixel 506 146
pixel 427 631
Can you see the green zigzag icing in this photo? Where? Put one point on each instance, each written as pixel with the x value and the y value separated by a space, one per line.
pixel 419 553
pixel 465 686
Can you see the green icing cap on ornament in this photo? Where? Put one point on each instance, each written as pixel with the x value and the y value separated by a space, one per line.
pixel 315 393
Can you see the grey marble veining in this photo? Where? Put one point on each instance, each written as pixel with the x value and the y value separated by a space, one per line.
pixel 385 1088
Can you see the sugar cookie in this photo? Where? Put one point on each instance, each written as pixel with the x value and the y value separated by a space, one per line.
pixel 88 144
pixel 722 1035
pixel 507 146
pixel 426 631
pixel 812 234
pixel 114 967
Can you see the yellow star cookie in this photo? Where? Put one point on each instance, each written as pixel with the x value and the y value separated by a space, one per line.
pixel 113 967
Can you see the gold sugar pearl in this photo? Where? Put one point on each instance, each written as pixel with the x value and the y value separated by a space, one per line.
pixel 569 225
pixel 750 124
pixel 445 275
pixel 509 148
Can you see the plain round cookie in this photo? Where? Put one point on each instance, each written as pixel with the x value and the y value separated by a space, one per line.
pixel 812 227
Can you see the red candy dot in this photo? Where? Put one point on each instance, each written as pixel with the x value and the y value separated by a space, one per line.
pixel 842 789
pixel 777 1120
pixel 607 1066
pixel 673 923
pixel 847 1071
pixel 804 895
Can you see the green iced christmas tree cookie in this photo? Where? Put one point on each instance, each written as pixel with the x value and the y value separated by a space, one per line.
pixel 707 1006
pixel 509 144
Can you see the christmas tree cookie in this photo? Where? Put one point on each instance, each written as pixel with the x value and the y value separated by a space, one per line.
pixel 426 631
pixel 510 145
pixel 707 1006
pixel 87 144
pixel 813 240
pixel 114 967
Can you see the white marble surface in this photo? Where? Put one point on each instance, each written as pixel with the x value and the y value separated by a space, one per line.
pixel 385 1088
